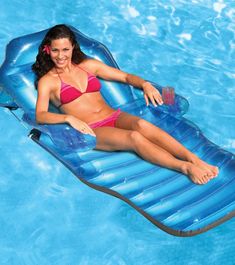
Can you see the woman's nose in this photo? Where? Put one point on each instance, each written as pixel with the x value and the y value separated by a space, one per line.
pixel 60 54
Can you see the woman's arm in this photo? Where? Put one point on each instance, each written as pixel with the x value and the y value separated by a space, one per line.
pixel 150 92
pixel 45 117
pixel 42 105
pixel 110 73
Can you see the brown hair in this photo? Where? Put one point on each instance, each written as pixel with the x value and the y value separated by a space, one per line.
pixel 43 63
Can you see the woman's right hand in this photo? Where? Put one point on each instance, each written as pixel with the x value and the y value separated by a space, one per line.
pixel 79 125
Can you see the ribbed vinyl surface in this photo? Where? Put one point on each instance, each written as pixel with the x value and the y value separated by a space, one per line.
pixel 168 197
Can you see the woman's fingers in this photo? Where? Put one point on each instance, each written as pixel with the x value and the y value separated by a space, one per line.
pixel 91 132
pixel 86 129
pixel 152 94
pixel 154 97
pixel 80 125
pixel 146 99
pixel 158 98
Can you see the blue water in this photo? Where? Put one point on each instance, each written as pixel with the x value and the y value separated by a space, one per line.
pixel 47 215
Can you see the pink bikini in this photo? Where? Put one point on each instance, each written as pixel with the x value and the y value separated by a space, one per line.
pixel 69 93
pixel 110 121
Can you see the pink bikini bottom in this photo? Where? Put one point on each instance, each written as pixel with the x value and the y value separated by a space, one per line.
pixel 109 121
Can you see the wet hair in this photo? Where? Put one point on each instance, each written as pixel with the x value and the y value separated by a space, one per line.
pixel 43 63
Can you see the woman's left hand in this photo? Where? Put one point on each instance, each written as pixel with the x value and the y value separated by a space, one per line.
pixel 152 94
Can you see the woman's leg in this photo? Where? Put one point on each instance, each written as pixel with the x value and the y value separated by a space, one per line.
pixel 112 139
pixel 162 139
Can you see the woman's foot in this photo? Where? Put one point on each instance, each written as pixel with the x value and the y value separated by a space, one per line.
pixel 205 166
pixel 197 174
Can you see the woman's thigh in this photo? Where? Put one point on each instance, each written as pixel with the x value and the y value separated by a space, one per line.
pixel 111 139
pixel 127 121
pixel 130 122
pixel 135 123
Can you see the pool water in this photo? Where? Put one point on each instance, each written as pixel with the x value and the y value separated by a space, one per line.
pixel 47 215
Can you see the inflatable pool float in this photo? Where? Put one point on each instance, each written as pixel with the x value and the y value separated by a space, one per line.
pixel 165 197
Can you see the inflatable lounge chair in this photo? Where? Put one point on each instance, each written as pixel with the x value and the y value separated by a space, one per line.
pixel 165 197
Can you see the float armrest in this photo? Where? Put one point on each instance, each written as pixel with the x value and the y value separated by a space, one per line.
pixel 178 109
pixel 63 136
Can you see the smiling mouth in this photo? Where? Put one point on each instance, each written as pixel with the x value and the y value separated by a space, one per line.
pixel 61 61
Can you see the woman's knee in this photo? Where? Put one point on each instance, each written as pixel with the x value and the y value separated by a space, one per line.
pixel 146 128
pixel 135 138
pixel 140 125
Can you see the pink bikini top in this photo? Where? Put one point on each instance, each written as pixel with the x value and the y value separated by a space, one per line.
pixel 69 93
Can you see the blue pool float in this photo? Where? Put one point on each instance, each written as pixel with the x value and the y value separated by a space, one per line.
pixel 167 198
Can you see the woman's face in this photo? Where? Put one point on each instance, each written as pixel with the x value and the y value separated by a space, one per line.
pixel 61 52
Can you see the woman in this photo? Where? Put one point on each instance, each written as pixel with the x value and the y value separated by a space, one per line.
pixel 69 80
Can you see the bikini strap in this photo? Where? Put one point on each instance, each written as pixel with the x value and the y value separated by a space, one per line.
pixel 82 68
pixel 58 74
pixel 90 74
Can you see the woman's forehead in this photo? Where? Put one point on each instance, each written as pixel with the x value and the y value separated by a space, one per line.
pixel 61 42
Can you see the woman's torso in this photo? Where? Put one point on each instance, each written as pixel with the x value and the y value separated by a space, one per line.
pixel 89 105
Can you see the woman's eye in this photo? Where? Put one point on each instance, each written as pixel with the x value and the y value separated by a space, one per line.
pixel 55 50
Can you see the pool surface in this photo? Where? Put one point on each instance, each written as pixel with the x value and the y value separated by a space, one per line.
pixel 47 215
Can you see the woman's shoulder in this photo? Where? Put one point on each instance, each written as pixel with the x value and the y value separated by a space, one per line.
pixel 91 65
pixel 49 80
